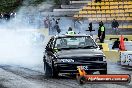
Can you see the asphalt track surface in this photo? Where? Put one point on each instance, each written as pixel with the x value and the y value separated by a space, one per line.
pixel 21 77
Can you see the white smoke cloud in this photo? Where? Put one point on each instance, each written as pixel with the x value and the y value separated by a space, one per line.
pixel 19 45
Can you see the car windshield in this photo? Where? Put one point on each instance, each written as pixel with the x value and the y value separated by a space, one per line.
pixel 74 42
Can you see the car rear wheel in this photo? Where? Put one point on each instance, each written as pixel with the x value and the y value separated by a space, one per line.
pixel 103 72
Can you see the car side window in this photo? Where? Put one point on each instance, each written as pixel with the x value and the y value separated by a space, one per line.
pixel 89 42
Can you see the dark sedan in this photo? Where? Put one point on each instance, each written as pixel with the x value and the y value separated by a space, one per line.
pixel 63 54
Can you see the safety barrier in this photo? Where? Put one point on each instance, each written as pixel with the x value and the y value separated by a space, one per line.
pixel 125 39
pixel 128 37
pixel 114 55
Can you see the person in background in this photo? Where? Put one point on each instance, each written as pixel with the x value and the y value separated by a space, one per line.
pixel 12 14
pixel 57 21
pixel 6 16
pixel 70 31
pixel 115 26
pixel 57 27
pixel 90 28
pixel 101 32
pixel 46 22
pixel 52 25
pixel 1 16
pixel 116 44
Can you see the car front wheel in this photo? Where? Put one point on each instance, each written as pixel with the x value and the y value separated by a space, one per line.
pixel 54 71
pixel 103 72
pixel 47 69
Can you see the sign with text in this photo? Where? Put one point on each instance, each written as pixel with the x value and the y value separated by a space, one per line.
pixel 109 78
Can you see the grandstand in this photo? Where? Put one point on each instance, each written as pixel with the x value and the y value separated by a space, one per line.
pixel 106 11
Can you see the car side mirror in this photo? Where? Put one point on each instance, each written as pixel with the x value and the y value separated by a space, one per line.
pixel 100 47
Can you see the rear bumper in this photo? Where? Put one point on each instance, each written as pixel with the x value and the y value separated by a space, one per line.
pixel 72 67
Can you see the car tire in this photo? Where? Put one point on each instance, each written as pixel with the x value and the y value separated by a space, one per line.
pixel 47 69
pixel 103 72
pixel 81 80
pixel 54 72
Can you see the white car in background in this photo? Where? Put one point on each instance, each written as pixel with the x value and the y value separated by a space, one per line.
pixel 126 58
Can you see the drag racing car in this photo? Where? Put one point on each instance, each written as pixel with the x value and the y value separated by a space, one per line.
pixel 65 53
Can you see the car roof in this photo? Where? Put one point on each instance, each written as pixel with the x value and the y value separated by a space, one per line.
pixel 75 35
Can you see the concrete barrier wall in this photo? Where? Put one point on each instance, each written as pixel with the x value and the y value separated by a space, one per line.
pixel 118 36
pixel 107 37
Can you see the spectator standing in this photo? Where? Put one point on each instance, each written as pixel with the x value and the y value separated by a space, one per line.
pixel 57 29
pixel 53 23
pixel 57 21
pixel 101 32
pixel 116 44
pixel 70 31
pixel 90 28
pixel 57 25
pixel 6 16
pixel 46 22
pixel 12 15
pixel 1 16
pixel 115 26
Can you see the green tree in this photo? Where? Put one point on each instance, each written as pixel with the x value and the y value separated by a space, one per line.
pixel 9 5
